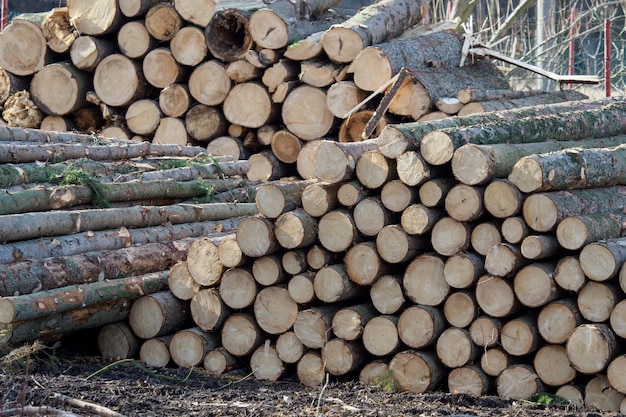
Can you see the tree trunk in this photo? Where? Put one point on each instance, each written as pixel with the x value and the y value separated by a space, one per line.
pixel 438 147
pixel 313 325
pixel 119 81
pixel 460 309
pixel 296 229
pixel 278 197
pixel 416 371
pixel 98 18
pixel 371 25
pixel 463 269
pixel 335 162
pixel 228 34
pixel 332 284
pixel 591 347
pixel 274 310
pixel 250 105
pixel 398 138
pixel 497 105
pixel 58 30
pixel 495 296
pixel 134 40
pixel 455 348
pixel 208 311
pixel 241 334
pixel 570 168
pixel 158 314
pixel 575 232
pixel 23 48
pixel 337 230
pixel 479 164
pixel 156 352
pixel 534 285
pixel 305 113
pixel 450 237
pixel 387 295
pixel 45 303
pixel 189 346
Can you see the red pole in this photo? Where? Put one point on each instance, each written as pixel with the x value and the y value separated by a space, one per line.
pixel 5 14
pixel 607 58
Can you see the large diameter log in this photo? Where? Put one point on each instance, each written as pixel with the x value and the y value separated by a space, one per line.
pixel 468 380
pixel 249 104
pixel 518 381
pixel 600 395
pixel 420 326
pixel 557 320
pixel 363 263
pixel 237 288
pixel 44 303
pixel 23 47
pixel 519 336
pixel 371 25
pixel 158 314
pixel 335 162
pixel 305 114
pixel 228 34
pixel 478 164
pixel 99 17
pixel 591 347
pixel 116 341
pixel 552 365
pixel 543 211
pixel 398 138
pixel 380 336
pixel 424 282
pixel 189 346
pixel 188 46
pixel 209 84
pixel 438 147
pixel 118 81
pixel 274 310
pixel 416 371
pixel 596 301
pixel 241 334
pixel 161 69
pixel 60 89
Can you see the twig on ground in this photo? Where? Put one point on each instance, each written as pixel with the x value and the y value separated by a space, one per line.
pixel 143 368
pixel 100 410
pixel 30 410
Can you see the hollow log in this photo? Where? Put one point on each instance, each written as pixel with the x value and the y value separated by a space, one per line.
pixel 228 34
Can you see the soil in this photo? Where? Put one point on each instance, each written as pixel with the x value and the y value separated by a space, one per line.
pixel 42 377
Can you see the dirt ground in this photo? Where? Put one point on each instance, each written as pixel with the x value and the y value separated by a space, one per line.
pixel 44 378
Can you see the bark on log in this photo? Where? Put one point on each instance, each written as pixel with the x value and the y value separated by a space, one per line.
pixel 158 314
pixel 387 295
pixel 496 105
pixel 189 346
pixel 23 48
pixel 468 95
pixel 591 347
pixel 305 114
pixel 424 282
pixel 371 25
pixel 407 365
pixel 438 147
pixel 398 138
pixel 228 34
pixel 320 72
pixel 294 261
pixel 575 232
pixel 264 166
pixel 86 52
pixel 97 18
pixel 134 40
pixel 616 320
pixel 275 198
pixel 218 361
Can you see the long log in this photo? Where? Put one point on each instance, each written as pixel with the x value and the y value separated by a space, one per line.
pixel 575 232
pixel 438 147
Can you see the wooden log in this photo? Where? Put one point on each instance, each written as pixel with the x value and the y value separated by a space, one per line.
pixel 600 395
pixel 156 352
pixel 552 365
pixel 519 336
pixel 238 288
pixel 23 47
pixel 494 361
pixel 337 230
pixel 116 341
pixel 134 40
pixel 534 285
pixel 86 52
pixel 460 309
pixel 319 72
pixel 423 280
pixel 268 270
pixel 468 95
pixel 228 34
pixel 504 259
pixel 349 322
pixel 373 170
pixel 306 159
pixel 468 380
pixel 228 146
pixel 463 269
pixel 143 116
pixel 455 349
pixel 603 259
pixel 274 310
pixel 518 381
pixel 171 130
pixel 57 124
pixel 363 263
pixel 163 21
pixel 119 81
pixel 181 283
pixel 395 246
pixel 305 114
pixel 294 261
pixel 495 296
pixel 616 319
pixel 20 111
pixel 208 311
pixel 591 347
pixel 615 374
pixel 497 105
pixel 266 364
pixel 514 230
pixel 11 84
pixel 418 219
pixel 485 331
pixel 241 71
pixel 413 170
pixel 465 203
pixel 573 394
pixel 397 196
pixel 398 138
pixel 342 357
pixel 408 364
pixel 301 288
pixel 596 300
pixel 343 42
pixel 343 96
pixel 387 295
pixel 205 123
pixel 218 361
pixel 558 319
pixel 317 257
pixel 332 284
pixel 313 325
pixel 373 372
pixel 241 334
pixel 485 235
pixel 275 198
pixel 264 166
pixel 158 314
pixel 420 326
pixel 189 346
pixel 540 246
pixel 438 147
pixel 286 146
pixel 450 237
pixel 136 8
pixel 380 336
pixel 569 275
pixel 433 192
pixel 249 105
pixel 209 84
pixel 58 30
pixel 95 18
pixel 310 369
pixel 352 128
pixel 319 199
pixel 282 71
pixel 161 69
pixel 371 216
pixel 256 237
pixel 576 232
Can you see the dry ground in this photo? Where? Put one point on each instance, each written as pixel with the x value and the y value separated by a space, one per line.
pixel 130 389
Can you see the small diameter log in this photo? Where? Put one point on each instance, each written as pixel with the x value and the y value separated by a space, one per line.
pixel 58 30
pixel 208 311
pixel 395 246
pixel 484 236
pixel 552 365
pixel 380 336
pixel 289 347
pixel 218 361
pixel 319 199
pixel 238 288
pixel 450 237
pixel 416 371
pixel 134 40
pixel 143 117
pixel 387 295
pixel 504 259
pixel 398 138
pixel 282 71
pixel 86 52
pixel 617 322
pixel 11 84
pixel 305 114
pixel 397 196
pixel 275 198
pixel 519 336
pixel 228 34
pixel 242 71
pixel 57 124
pixel 420 326
pixel 209 84
pixel 342 97
pixel 163 21
pixel 306 159
pixel 575 232
pixel 433 192
pixel 520 102
pixel 349 322
pixel 363 264
pixel 600 395
pixel 602 260
pixel 23 47
pixel 335 162
pixel 468 95
pixel 372 373
pixel 413 170
pixel 495 296
pixel 332 284
pixel 116 341
pixel 171 130
pixel 468 380
pixel 119 81
pixel 268 270
pixel 494 361
pixel 463 269
pixel 460 309
pixel 228 146
pixel 591 347
pixel 256 237
pixel 264 166
pixel 265 363
pixel 241 334
pixel 418 219
pixel 205 123
pixel 455 348
pixel 534 285
pixel 39 304
pixel 188 46
pixel 540 246
pixel 301 288
pixel 337 230
pixel 373 170
pixel 569 275
pixel 294 261
pixel 296 229
pixel 514 229
pixel 189 346
pixel 156 352
pixel 465 203
pixel 161 69
pixel 596 300
pixel 424 282
pixel 485 331
pixel 313 325
pixel 136 8
pixel 341 357
pixel 274 310
pixel 370 216
pixel 371 25
pixel 307 48
pixel 310 369
pixel 438 147
pixel 286 146
pixel 158 314
pixel 557 320
pixel 518 382
pixel 573 394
